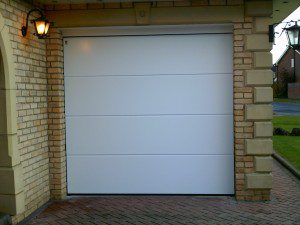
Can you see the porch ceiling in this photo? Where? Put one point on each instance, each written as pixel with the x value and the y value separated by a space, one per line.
pixel 90 1
pixel 281 8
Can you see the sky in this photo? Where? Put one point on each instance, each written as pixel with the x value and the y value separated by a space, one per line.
pixel 281 42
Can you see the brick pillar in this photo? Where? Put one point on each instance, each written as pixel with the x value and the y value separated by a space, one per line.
pixel 252 98
pixel 56 121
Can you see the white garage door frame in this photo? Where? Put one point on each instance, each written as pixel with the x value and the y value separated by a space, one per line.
pixel 151 31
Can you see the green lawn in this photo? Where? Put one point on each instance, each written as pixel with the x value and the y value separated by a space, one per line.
pixel 287 100
pixel 288 146
pixel 286 122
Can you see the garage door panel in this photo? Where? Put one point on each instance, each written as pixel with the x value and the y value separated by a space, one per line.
pixel 150 135
pixel 149 114
pixel 136 55
pixel 140 95
pixel 151 174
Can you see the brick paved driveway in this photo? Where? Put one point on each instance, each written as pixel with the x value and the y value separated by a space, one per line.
pixel 284 208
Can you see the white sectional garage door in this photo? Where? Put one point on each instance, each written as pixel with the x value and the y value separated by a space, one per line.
pixel 150 114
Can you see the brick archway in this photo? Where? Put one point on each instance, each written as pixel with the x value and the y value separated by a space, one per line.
pixel 11 188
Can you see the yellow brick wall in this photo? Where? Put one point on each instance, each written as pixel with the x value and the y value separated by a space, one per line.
pixel 244 128
pixel 56 115
pixel 29 55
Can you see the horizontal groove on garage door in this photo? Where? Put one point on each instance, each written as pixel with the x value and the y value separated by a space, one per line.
pixel 78 155
pixel 219 114
pixel 130 75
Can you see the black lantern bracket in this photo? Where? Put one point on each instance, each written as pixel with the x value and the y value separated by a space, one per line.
pixel 41 18
pixel 290 28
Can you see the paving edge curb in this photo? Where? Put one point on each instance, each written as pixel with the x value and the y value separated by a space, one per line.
pixel 286 164
pixel 35 213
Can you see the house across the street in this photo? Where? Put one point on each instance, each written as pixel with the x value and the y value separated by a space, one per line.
pixel 289 65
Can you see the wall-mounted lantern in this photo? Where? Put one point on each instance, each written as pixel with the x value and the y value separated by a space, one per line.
pixel 293 34
pixel 41 25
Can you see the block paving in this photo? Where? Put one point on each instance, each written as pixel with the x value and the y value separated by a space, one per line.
pixel 283 208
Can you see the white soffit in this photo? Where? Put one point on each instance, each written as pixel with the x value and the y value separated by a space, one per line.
pixel 147 30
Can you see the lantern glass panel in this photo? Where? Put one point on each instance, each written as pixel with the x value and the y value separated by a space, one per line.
pixel 293 36
pixel 40 27
pixel 47 27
